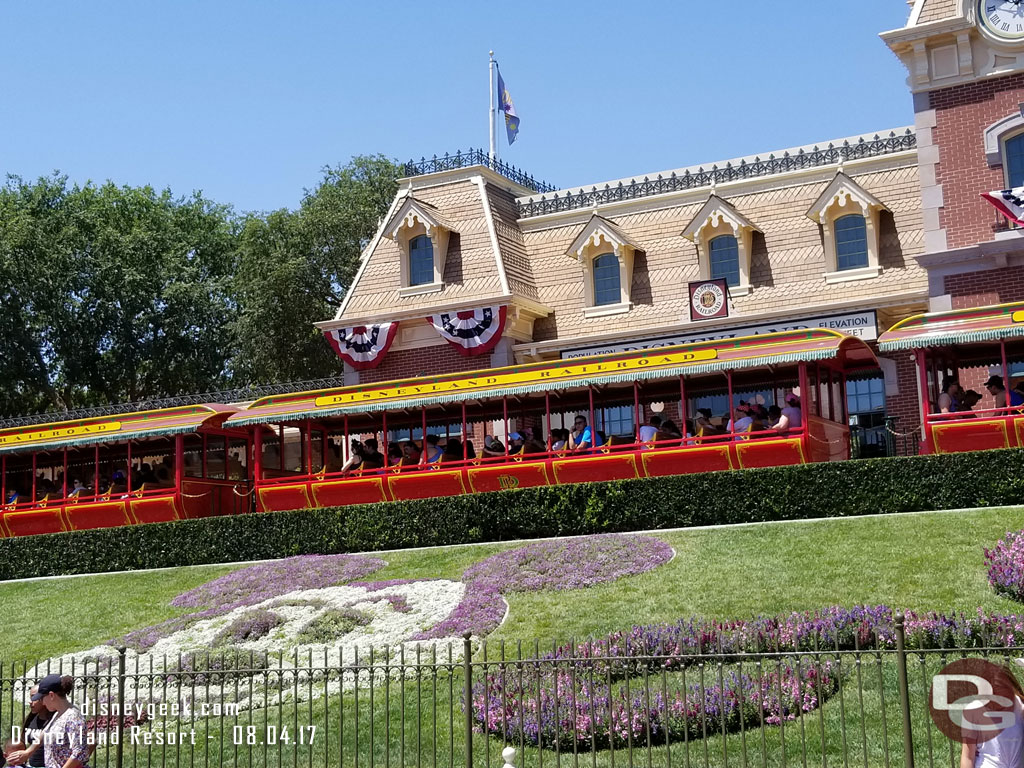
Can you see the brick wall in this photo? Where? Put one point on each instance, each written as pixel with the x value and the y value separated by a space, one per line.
pixel 962 114
pixel 990 286
pixel 423 361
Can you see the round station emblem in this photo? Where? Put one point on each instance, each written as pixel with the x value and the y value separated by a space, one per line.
pixel 708 299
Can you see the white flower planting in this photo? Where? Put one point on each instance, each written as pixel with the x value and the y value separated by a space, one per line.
pixel 202 667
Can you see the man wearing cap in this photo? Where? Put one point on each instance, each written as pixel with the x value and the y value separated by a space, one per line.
pixel 515 443
pixel 995 387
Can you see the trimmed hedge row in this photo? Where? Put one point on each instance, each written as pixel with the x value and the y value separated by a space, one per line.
pixel 990 478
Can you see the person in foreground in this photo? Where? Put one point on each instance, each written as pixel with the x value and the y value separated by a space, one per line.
pixel 1006 749
pixel 64 737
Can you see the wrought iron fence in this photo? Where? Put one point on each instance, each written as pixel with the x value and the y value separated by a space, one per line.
pixel 859 703
pixel 470 158
pixel 635 189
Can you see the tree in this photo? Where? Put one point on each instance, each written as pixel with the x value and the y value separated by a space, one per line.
pixel 295 266
pixel 111 294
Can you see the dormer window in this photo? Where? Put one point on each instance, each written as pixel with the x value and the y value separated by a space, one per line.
pixel 724 238
pixel 851 242
pixel 606 254
pixel 607 282
pixel 849 219
pixel 421 261
pixel 724 251
pixel 1013 151
pixel 421 234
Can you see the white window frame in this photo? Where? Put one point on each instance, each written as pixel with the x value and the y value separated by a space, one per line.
pixel 843 197
pixel 597 238
pixel 718 217
pixel 411 221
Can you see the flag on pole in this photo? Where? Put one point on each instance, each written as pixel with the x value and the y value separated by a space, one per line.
pixel 506 105
pixel 1010 203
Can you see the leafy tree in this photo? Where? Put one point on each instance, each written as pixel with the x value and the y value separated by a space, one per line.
pixel 295 266
pixel 111 294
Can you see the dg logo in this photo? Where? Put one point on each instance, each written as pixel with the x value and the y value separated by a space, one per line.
pixel 972 700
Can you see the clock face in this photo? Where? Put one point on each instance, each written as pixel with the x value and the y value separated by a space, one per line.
pixel 1002 18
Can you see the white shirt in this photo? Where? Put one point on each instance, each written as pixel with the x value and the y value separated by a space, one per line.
pixel 742 425
pixel 647 433
pixel 1007 749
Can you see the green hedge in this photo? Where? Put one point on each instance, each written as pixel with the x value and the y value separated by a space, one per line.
pixel 991 478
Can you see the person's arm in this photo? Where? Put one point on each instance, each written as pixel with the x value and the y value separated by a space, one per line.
pixel 783 423
pixel 967 755
pixel 22 756
pixel 585 444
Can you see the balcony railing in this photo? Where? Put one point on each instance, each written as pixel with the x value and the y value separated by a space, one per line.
pixel 470 158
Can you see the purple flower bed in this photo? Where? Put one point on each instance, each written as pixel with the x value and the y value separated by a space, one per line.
pixel 565 564
pixel 568 709
pixel 251 625
pixel 568 563
pixel 1005 564
pixel 248 586
pixel 257 583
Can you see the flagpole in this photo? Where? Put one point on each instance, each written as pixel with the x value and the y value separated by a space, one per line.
pixel 494 143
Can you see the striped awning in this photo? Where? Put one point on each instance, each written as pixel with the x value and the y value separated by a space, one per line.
pixel 111 429
pixel 688 359
pixel 963 326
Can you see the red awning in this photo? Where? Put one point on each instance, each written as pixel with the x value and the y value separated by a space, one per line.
pixel 964 326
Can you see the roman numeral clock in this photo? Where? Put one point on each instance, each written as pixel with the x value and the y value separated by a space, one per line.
pixel 1002 19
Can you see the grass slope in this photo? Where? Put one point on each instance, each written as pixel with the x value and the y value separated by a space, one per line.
pixel 929 561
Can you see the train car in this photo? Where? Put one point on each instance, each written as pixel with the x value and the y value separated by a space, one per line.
pixel 981 347
pixel 123 469
pixel 302 440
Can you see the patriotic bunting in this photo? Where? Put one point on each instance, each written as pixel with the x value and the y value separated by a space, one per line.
pixel 1010 203
pixel 472 331
pixel 363 346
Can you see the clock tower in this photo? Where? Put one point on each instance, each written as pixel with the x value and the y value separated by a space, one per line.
pixel 965 60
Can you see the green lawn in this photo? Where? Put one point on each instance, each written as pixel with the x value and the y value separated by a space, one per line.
pixel 928 562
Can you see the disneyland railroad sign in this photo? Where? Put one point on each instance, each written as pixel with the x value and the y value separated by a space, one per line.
pixel 708 299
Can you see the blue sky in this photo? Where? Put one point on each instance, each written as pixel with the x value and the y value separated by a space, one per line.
pixel 246 101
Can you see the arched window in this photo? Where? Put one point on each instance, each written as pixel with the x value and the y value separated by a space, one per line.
pixel 607 288
pixel 1015 161
pixel 725 259
pixel 421 261
pixel 851 242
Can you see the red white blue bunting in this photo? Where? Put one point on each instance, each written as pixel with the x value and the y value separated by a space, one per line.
pixel 1010 203
pixel 471 331
pixel 364 346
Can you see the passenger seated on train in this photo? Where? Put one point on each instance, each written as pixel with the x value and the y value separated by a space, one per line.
pixel 434 451
pixel 165 472
pixel 515 443
pixel 760 416
pixel 741 420
pixel 949 398
pixel 774 414
pixel 355 458
pixel 13 497
pixel 649 431
pixel 702 424
pixel 583 437
pixel 995 387
pixel 395 455
pixel 559 439
pixel 470 450
pixel 968 400
pixel 411 452
pixel 791 417
pixel 119 483
pixel 76 488
pixel 493 446
pixel 372 457
pixel 452 450
pixel 147 475
pixel 533 441
pixel 669 431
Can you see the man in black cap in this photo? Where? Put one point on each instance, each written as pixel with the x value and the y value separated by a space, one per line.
pixel 995 387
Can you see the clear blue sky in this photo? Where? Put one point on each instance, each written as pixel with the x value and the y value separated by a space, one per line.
pixel 246 101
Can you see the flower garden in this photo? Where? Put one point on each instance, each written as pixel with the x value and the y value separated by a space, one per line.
pixel 235 637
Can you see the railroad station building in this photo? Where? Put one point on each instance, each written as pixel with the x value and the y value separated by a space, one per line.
pixel 477 265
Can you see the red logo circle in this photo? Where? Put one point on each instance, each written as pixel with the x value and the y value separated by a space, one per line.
pixel 972 700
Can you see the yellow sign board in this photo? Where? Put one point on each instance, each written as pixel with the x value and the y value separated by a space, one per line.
pixel 501 380
pixel 1017 317
pixel 60 433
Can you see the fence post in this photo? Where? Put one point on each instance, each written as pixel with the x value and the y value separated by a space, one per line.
pixel 119 723
pixel 467 665
pixel 901 666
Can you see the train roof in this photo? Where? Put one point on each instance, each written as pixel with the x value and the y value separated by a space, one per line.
pixel 688 359
pixel 962 326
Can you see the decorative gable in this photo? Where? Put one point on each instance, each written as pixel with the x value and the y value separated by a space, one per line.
pixel 599 237
pixel 717 218
pixel 843 198
pixel 413 219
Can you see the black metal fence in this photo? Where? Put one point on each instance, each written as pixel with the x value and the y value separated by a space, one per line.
pixel 463 704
